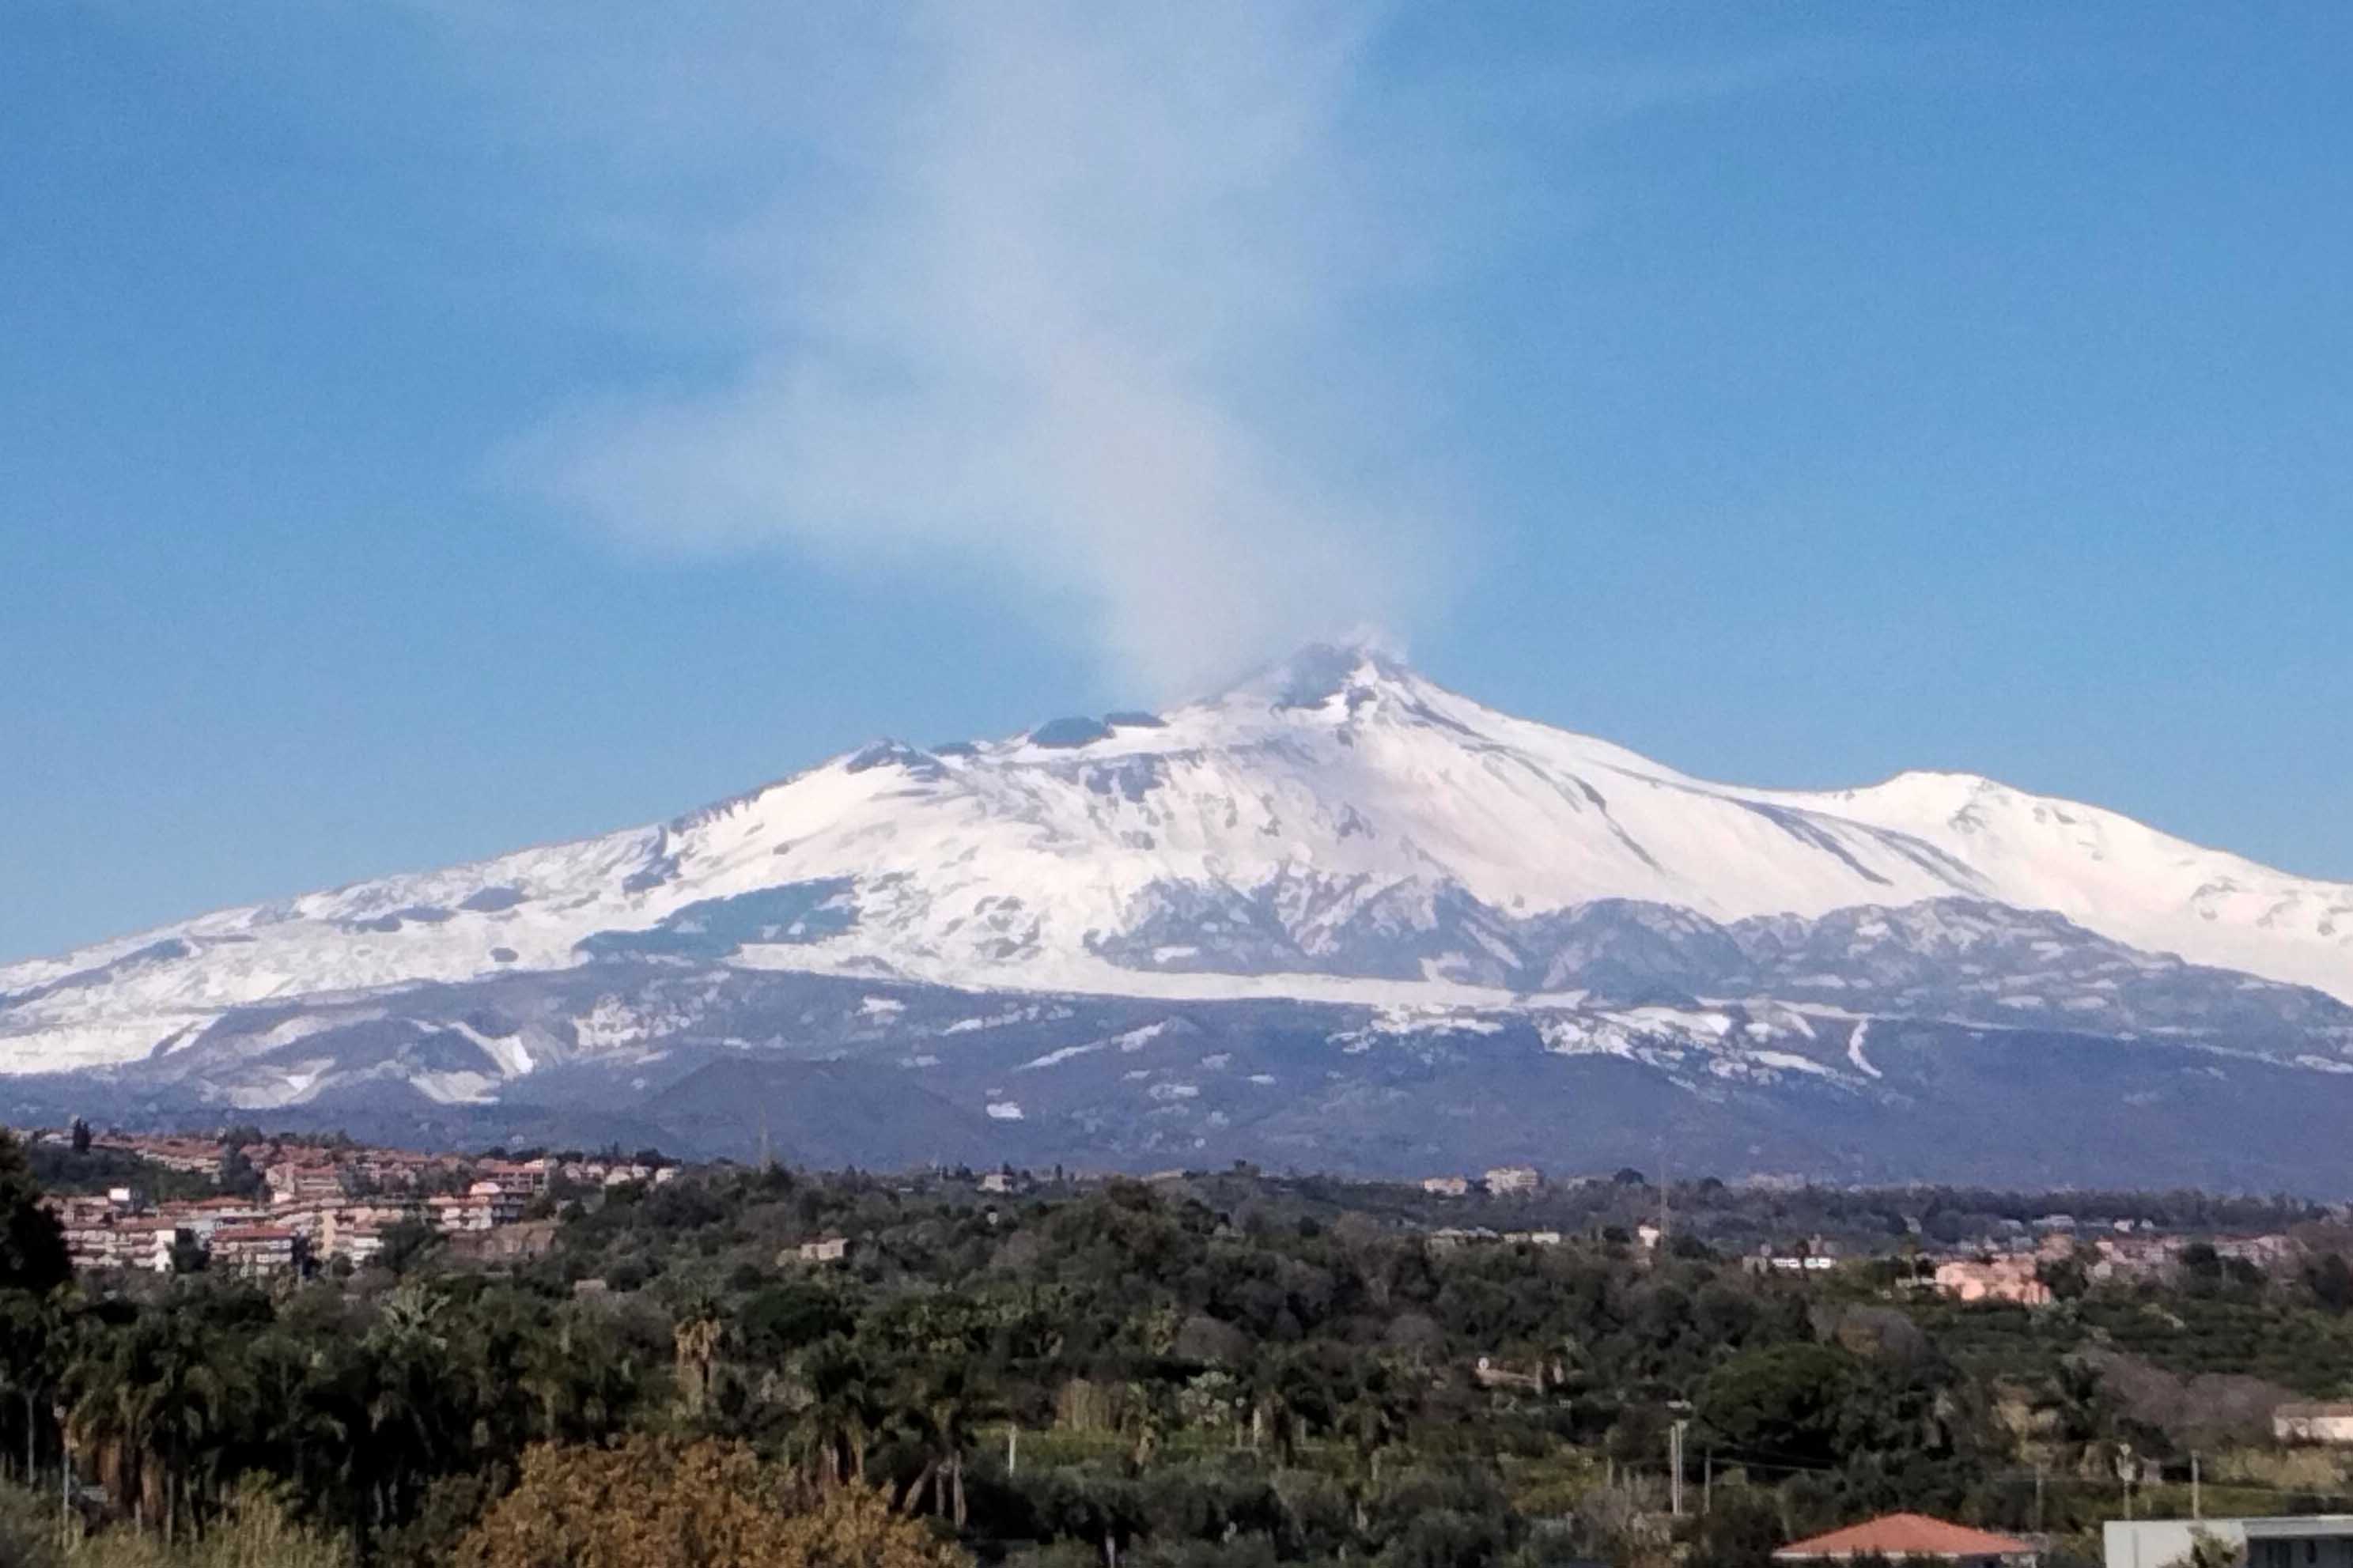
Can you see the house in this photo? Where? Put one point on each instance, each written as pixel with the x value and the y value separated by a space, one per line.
pixel 1489 1372
pixel 506 1204
pixel 356 1231
pixel 147 1244
pixel 2012 1278
pixel 1648 1236
pixel 305 1181
pixel 360 1244
pixel 205 1217
pixel 2294 1540
pixel 190 1156
pixel 1452 1237
pixel 2136 1258
pixel 995 1182
pixel 1765 1260
pixel 2262 1251
pixel 1913 1537
pixel 525 1179
pixel 2313 1423
pixel 395 1170
pixel 454 1213
pixel 1508 1180
pixel 90 1245
pixel 824 1249
pixel 1447 1186
pixel 257 1250
pixel 77 1213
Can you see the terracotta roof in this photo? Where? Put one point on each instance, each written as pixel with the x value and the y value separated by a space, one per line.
pixel 1904 1535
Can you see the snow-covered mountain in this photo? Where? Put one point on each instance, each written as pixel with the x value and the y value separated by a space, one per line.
pixel 1337 831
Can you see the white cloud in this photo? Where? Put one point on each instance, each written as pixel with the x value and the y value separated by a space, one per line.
pixel 1126 311
pixel 1076 297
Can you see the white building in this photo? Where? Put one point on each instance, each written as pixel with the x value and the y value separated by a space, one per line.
pixel 2313 1423
pixel 1508 1179
pixel 2305 1540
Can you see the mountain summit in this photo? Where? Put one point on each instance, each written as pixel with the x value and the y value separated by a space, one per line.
pixel 1336 831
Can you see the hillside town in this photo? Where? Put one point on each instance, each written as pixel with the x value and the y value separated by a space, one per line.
pixel 309 1207
pixel 1537 1296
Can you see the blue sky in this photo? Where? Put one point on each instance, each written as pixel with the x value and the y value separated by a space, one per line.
pixel 430 428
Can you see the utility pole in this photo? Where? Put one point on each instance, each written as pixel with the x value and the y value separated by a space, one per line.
pixel 2197 1502
pixel 1707 1485
pixel 1675 1468
pixel 1012 1449
pixel 65 1478
pixel 2038 1497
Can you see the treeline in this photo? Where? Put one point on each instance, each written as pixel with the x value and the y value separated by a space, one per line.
pixel 1233 1369
pixel 1744 1217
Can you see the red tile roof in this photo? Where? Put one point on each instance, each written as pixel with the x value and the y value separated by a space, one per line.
pixel 1904 1535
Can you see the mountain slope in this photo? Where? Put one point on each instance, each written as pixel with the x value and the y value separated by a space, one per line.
pixel 1338 827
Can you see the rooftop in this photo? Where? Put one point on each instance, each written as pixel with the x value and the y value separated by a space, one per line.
pixel 1904 1535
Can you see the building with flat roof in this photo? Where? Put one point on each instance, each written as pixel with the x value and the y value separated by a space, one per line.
pixel 2304 1423
pixel 2287 1541
pixel 1506 1180
pixel 256 1250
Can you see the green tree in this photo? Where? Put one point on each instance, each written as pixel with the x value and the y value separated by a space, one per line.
pixel 1783 1404
pixel 32 1244
pixel 2332 1283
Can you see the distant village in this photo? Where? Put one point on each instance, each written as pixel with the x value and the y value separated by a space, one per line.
pixel 315 1206
pixel 332 1206
pixel 2015 1262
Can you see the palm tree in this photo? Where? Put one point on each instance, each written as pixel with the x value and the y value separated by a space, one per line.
pixel 1372 1420
pixel 696 1339
pixel 109 1410
pixel 841 1415
pixel 300 1415
pixel 29 1328
pixel 410 1414
pixel 942 1407
pixel 192 1394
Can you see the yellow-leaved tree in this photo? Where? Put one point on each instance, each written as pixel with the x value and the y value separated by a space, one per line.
pixel 652 1503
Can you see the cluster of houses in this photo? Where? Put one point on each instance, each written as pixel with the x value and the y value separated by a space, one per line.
pixel 2014 1269
pixel 1461 1235
pixel 1504 1181
pixel 1812 1255
pixel 317 1204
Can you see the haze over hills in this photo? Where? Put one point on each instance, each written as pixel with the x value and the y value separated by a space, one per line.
pixel 1334 915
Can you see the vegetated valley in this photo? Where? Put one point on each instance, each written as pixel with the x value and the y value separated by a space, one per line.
pixel 758 1364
